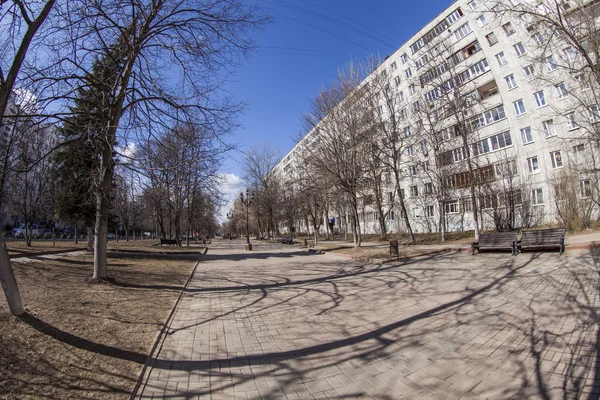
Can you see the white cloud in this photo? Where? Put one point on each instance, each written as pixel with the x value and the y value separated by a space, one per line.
pixel 128 152
pixel 231 188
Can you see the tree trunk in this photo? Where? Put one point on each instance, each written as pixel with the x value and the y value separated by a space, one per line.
pixel 9 283
pixel 76 234
pixel 403 208
pixel 90 239
pixel 102 200
pixel 442 213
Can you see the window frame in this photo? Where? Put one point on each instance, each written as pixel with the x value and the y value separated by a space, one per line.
pixel 531 167
pixel 556 159
pixel 527 135
pixel 520 110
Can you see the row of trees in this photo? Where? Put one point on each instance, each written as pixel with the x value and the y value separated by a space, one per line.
pixel 111 73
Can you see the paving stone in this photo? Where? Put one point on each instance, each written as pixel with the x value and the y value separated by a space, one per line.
pixel 277 323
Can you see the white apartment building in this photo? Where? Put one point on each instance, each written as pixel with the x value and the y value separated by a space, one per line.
pixel 531 114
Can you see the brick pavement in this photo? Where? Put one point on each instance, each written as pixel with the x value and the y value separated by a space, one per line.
pixel 280 323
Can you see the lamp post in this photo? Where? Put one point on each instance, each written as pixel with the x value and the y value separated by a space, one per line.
pixel 247 200
pixel 230 217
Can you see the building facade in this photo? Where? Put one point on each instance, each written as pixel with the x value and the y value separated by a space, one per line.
pixel 495 105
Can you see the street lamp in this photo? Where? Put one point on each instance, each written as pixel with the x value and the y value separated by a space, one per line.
pixel 247 200
pixel 230 217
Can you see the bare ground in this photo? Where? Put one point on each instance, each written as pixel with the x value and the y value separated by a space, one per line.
pixel 84 340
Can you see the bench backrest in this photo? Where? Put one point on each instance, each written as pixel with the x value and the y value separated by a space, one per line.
pixel 542 236
pixel 497 238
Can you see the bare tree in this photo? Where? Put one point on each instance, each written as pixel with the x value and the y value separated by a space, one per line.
pixel 336 143
pixel 30 16
pixel 393 143
pixel 258 167
pixel 162 61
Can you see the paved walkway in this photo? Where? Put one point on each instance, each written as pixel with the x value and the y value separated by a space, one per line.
pixel 281 323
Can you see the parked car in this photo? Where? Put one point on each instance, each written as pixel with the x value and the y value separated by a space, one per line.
pixel 65 234
pixel 111 236
pixel 43 234
pixel 19 232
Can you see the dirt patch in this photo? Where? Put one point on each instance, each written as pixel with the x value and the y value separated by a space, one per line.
pixel 86 340
pixel 375 252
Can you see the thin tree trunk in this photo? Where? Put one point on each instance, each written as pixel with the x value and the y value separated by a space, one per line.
pixel 8 280
pixel 90 239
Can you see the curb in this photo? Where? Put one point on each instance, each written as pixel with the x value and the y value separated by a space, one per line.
pixel 46 253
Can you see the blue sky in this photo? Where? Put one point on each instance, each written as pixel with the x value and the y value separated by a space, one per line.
pixel 300 52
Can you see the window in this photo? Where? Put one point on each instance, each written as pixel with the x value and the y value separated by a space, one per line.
pixel 390 197
pixel 403 113
pixel 459 154
pixel 414 191
pixel 462 31
pixel 491 38
pixel 529 72
pixel 508 29
pixel 556 159
pixel 394 66
pixel 451 207
pixel 390 216
pixel 501 58
pixel 551 64
pixel 482 20
pixel 501 140
pixel 594 113
pixel 388 178
pixel 429 211
pixel 413 170
pixel 412 89
pixel 537 196
pixel 417 106
pixel 473 5
pixel 540 99
pixel 572 121
pixel 428 188
pixel 533 165
pixel 548 128
pixel 570 53
pixel 408 72
pixel 520 49
pixel 506 168
pixel 397 81
pixel 511 82
pixel 527 135
pixel 492 143
pixel 409 150
pixel 401 96
pixel 585 188
pixel 578 150
pixel 539 39
pixel 380 110
pixel 561 90
pixel 407 131
pixel 519 107
pixel 404 58
pixel 416 212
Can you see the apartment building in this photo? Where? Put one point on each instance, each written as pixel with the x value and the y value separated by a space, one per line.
pixel 513 113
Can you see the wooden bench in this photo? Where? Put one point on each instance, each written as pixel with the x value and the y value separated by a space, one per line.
pixel 172 242
pixel 287 240
pixel 496 240
pixel 543 238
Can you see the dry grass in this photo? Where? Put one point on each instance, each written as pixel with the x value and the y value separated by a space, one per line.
pixel 84 340
pixel 381 252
